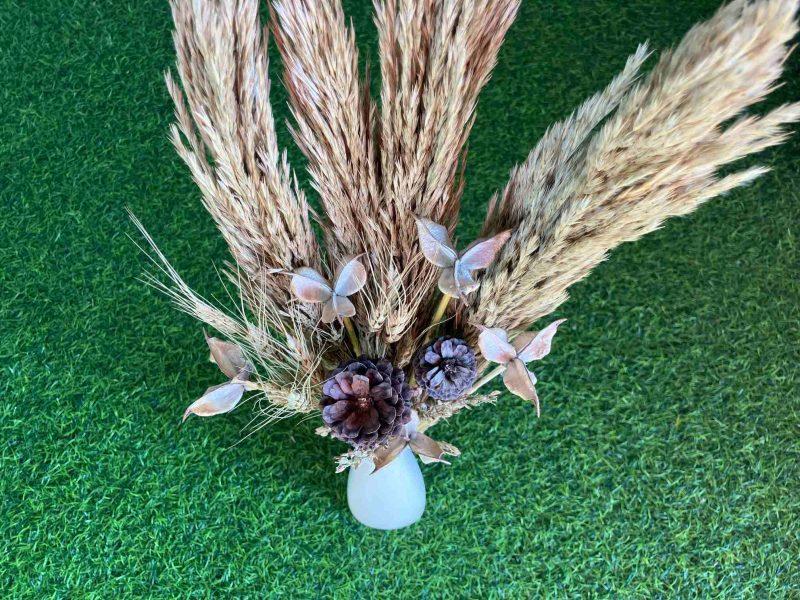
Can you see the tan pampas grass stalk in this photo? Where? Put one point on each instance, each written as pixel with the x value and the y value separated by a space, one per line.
pixel 436 56
pixel 657 156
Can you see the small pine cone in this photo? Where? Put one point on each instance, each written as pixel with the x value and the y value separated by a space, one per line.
pixel 446 369
pixel 366 402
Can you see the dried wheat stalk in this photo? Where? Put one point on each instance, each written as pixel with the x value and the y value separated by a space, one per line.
pixel 436 56
pixel 657 156
pixel 285 355
pixel 225 132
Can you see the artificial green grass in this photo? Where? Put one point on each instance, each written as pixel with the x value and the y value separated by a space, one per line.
pixel 666 461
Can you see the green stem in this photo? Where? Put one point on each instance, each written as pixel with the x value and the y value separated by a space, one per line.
pixel 351 333
pixel 486 379
pixel 437 315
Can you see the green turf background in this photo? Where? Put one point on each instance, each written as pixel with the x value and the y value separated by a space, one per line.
pixel 667 459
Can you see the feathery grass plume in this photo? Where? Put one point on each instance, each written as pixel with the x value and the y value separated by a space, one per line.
pixel 286 356
pixel 334 127
pixel 657 156
pixel 225 132
pixel 436 56
pixel 551 164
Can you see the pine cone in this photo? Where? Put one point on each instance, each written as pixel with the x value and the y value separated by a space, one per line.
pixel 446 369
pixel 366 402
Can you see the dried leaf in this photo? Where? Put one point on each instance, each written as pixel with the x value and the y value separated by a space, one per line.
pixel 447 283
pixel 427 448
pixel 217 400
pixel 329 311
pixel 343 306
pixel 465 282
pixel 494 346
pixel 383 456
pixel 350 278
pixel 481 253
pixel 310 286
pixel 434 241
pixel 456 279
pixel 228 357
pixel 535 346
pixel 520 381
pixel 450 449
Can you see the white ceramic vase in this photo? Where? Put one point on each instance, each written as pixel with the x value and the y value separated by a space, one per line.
pixel 392 498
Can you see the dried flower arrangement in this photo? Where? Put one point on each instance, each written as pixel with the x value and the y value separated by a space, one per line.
pixel 385 328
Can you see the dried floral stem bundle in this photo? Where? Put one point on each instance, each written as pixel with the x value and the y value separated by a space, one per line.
pixel 389 176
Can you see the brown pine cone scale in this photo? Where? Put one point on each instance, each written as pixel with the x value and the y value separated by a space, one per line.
pixel 365 402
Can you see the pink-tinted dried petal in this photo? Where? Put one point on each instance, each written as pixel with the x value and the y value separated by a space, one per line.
pixel 493 343
pixel 465 282
pixel 482 253
pixel 217 400
pixel 383 456
pixel 329 311
pixel 350 278
pixel 343 306
pixel 447 283
pixel 434 241
pixel 427 448
pixel 536 346
pixel 227 356
pixel 521 382
pixel 309 286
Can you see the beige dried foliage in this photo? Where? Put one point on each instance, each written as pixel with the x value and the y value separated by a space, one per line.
pixel 551 164
pixel 436 412
pixel 335 128
pixel 436 56
pixel 275 339
pixel 631 156
pixel 657 156
pixel 225 132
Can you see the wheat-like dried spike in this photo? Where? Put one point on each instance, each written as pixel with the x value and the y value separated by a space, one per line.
pixel 430 416
pixel 334 127
pixel 225 132
pixel 275 339
pixel 656 157
pixel 436 56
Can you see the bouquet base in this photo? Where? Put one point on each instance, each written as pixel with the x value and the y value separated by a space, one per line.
pixel 391 498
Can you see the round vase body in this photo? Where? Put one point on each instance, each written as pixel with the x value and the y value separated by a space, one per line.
pixel 392 498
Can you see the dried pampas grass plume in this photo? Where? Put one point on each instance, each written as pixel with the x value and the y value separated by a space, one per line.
pixel 436 56
pixel 225 132
pixel 579 195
